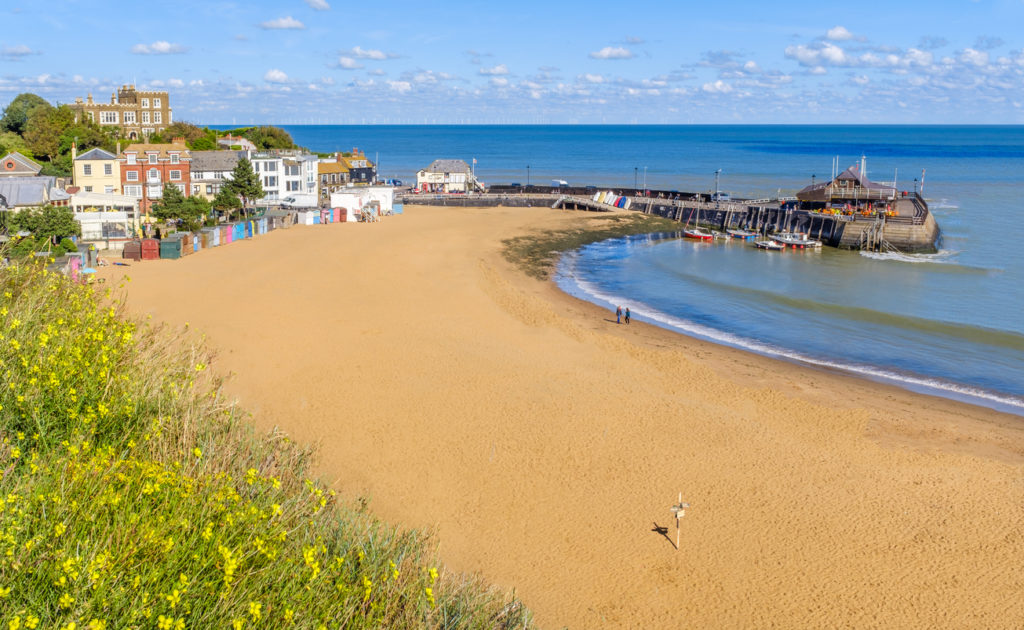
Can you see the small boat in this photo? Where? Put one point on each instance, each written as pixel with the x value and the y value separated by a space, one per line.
pixel 720 235
pixel 769 245
pixel 743 235
pixel 796 241
pixel 698 234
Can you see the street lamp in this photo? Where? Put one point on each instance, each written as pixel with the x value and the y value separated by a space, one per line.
pixel 634 178
pixel 527 175
pixel 645 180
pixel 717 173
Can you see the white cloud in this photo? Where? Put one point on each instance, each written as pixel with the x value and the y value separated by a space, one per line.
pixel 718 87
pixel 839 34
pixel 592 78
pixel 861 79
pixel 319 5
pixel 376 55
pixel 176 83
pixel 400 86
pixel 17 52
pixel 158 48
pixel 499 81
pixel 275 76
pixel 609 52
pixel 497 70
pixel 348 63
pixel 282 23
pixel 751 67
pixel 974 57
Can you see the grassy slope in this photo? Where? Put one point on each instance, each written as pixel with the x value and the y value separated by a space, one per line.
pixel 133 495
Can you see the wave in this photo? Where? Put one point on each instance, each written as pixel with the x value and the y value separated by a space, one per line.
pixel 944 257
pixel 592 294
pixel 942 204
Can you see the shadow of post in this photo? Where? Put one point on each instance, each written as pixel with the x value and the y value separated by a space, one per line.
pixel 664 532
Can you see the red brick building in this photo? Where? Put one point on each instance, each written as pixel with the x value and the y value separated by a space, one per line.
pixel 145 168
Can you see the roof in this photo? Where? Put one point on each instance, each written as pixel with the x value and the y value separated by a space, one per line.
pixel 19 163
pixel 448 166
pixel 233 141
pixel 26 191
pixel 331 167
pixel 817 192
pixel 102 199
pixel 96 154
pixel 162 149
pixel 214 160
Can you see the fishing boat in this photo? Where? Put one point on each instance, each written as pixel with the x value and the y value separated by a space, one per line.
pixel 795 241
pixel 720 235
pixel 743 235
pixel 769 245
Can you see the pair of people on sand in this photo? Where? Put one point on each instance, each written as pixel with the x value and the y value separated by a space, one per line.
pixel 618 314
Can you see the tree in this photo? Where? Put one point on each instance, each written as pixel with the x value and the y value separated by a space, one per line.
pixel 44 128
pixel 244 183
pixel 10 141
pixel 268 137
pixel 50 222
pixel 226 201
pixel 173 205
pixel 17 111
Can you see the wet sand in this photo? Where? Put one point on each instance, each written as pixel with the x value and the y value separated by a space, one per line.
pixel 544 444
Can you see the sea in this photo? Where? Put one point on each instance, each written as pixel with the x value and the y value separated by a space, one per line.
pixel 949 323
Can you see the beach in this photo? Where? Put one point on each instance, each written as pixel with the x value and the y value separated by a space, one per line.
pixel 544 444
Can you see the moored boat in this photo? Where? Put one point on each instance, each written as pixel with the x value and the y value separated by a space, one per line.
pixel 769 245
pixel 698 234
pixel 796 241
pixel 744 235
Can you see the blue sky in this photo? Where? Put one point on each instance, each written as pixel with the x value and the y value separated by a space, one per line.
pixel 324 61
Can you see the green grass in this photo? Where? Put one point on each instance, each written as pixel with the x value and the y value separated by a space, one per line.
pixel 536 254
pixel 134 496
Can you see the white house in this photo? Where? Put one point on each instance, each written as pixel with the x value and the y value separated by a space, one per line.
pixel 283 173
pixel 106 217
pixel 353 200
pixel 210 169
pixel 447 176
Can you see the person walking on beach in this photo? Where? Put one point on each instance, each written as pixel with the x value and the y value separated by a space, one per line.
pixel 627 314
pixel 618 314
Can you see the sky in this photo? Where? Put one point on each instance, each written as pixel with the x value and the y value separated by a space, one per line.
pixel 529 62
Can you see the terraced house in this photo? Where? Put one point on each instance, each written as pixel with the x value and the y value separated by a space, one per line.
pixel 96 171
pixel 145 168
pixel 332 176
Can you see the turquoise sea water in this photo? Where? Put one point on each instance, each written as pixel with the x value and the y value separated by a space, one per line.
pixel 951 323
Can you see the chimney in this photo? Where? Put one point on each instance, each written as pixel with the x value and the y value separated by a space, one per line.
pixel 178 140
pixel 338 157
pixel 74 151
pixel 119 147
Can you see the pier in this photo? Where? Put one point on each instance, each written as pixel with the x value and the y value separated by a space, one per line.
pixel 911 228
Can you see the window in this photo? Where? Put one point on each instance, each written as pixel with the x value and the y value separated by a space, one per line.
pixel 154 175
pixel 256 167
pixel 91 115
pixel 88 189
pixel 87 169
pixel 129 118
pixel 174 158
pixel 292 186
pixel 108 169
pixel 130 157
pixel 156 105
pixel 175 176
pixel 133 191
pixel 145 117
pixel 209 189
pixel 151 157
pixel 196 188
pixel 156 118
pixel 108 189
pixel 291 170
pixel 270 181
pixel 154 192
pixel 131 176
pixel 145 104
pixel 270 166
pixel 180 187
pixel 108 118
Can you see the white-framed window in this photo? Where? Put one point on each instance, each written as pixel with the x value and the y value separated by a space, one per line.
pixel 180 187
pixel 154 192
pixel 175 176
pixel 292 186
pixel 91 115
pixel 87 170
pixel 291 170
pixel 148 131
pixel 174 158
pixel 270 166
pixel 108 118
pixel 145 103
pixel 133 191
pixel 156 104
pixel 153 175
pixel 157 118
pixel 209 189
pixel 131 176
pixel 129 118
pixel 151 158
pixel 88 189
pixel 108 169
pixel 130 157
pixel 108 189
pixel 270 181
pixel 145 117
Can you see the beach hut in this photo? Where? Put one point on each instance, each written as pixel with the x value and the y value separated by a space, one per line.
pixel 263 225
pixel 397 208
pixel 150 249
pixel 170 248
pixel 132 251
pixel 239 231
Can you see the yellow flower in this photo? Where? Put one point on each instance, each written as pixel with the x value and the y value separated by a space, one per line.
pixel 31 621
pixel 66 601
pixel 197 452
pixel 97 624
pixel 255 610
pixel 237 624
pixel 164 623
pixel 5 592
pixel 174 598
pixel 289 615
pixel 179 624
pixel 14 624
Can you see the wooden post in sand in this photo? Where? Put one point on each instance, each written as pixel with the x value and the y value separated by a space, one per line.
pixel 679 510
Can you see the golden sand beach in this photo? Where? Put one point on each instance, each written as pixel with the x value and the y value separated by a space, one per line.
pixel 544 444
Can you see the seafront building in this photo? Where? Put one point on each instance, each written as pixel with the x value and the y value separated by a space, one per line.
pixel 97 171
pixel 360 169
pixel 210 169
pixel 285 172
pixel 332 176
pixel 138 114
pixel 15 164
pixel 17 193
pixel 447 176
pixel 105 217
pixel 145 168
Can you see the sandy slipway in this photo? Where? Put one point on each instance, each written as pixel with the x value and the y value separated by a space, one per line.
pixel 544 443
